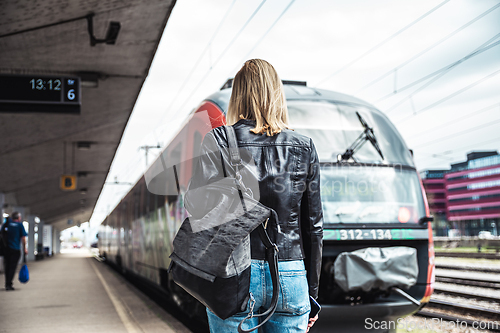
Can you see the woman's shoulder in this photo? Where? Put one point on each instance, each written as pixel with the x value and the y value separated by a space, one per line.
pixel 219 135
pixel 289 135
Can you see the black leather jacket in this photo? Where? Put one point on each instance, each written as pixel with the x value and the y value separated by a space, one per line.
pixel 287 169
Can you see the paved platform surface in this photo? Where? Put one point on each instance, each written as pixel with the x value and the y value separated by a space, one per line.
pixel 73 292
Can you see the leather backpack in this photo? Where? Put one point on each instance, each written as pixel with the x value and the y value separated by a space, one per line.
pixel 212 261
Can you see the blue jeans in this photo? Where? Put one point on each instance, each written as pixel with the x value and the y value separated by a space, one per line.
pixel 292 313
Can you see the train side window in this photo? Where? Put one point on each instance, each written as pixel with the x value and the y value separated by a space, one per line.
pixel 149 203
pixel 160 201
pixel 175 155
pixel 175 160
pixel 137 199
pixel 196 149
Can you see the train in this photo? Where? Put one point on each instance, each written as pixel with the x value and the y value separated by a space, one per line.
pixel 372 198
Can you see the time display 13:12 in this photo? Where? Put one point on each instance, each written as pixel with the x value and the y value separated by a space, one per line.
pixel 39 93
pixel 21 88
pixel 51 84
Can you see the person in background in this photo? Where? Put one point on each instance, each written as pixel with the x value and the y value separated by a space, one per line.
pixel 14 232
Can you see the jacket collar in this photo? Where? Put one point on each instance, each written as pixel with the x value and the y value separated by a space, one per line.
pixel 248 122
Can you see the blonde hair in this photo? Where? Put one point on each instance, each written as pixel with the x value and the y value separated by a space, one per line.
pixel 258 95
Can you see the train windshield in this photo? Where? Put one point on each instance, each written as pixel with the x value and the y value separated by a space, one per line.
pixel 334 127
pixel 373 190
pixel 370 194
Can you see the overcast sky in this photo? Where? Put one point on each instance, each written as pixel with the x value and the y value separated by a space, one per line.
pixel 364 48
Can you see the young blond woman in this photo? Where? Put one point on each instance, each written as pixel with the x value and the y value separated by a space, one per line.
pixel 287 168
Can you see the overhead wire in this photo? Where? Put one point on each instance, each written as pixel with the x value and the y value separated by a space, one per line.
pixel 477 18
pixel 383 42
pixel 428 107
pixel 484 47
pixel 112 190
pixel 437 156
pixel 262 37
pixel 202 54
pixel 130 167
pixel 432 165
pixel 462 148
pixel 448 123
pixel 137 161
pixel 460 151
pixel 481 143
pixel 454 135
pixel 223 53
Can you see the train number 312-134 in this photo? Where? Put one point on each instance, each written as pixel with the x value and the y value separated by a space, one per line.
pixel 346 234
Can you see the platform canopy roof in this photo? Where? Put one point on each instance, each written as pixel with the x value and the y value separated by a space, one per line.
pixel 40 37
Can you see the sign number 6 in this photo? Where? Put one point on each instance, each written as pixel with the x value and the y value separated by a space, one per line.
pixel 71 94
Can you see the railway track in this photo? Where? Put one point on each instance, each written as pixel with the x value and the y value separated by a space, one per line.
pixel 490 326
pixel 469 282
pixel 469 268
pixel 476 279
pixel 486 280
pixel 460 314
pixel 476 311
pixel 494 256
pixel 458 311
pixel 465 294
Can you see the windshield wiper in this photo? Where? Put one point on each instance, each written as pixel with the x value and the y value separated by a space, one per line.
pixel 366 135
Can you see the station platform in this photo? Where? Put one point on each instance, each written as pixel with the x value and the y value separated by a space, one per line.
pixel 73 292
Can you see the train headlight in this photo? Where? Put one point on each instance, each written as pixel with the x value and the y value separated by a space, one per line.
pixel 404 215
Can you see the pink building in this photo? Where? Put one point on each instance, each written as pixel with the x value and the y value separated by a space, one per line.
pixel 466 197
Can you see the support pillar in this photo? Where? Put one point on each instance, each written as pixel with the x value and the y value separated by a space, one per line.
pixel 31 238
pixel 56 241
pixel 47 240
pixel 39 240
pixel 2 202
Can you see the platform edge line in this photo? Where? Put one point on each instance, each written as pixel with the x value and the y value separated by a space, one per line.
pixel 120 308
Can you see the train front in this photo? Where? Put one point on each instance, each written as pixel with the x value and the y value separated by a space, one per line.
pixel 378 259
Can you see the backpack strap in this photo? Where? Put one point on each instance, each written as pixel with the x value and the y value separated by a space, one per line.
pixel 272 258
pixel 271 248
pixel 234 152
pixel 234 155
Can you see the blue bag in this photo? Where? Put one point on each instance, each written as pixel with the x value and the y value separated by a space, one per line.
pixel 24 274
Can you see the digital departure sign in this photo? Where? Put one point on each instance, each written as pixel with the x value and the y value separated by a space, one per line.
pixel 39 93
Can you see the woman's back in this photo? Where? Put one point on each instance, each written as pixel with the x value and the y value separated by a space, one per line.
pixel 281 169
pixel 286 168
